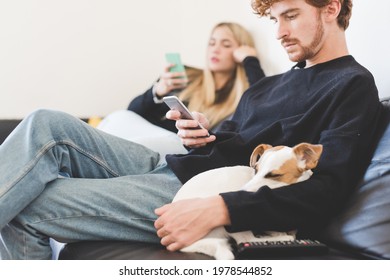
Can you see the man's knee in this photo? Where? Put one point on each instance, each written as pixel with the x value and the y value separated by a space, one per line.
pixel 41 116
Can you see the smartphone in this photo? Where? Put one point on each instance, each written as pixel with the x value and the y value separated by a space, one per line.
pixel 174 58
pixel 175 103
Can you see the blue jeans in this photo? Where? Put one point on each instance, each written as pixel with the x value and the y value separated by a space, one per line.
pixel 63 179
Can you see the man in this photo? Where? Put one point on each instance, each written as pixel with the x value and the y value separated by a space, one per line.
pixel 112 187
pixel 311 32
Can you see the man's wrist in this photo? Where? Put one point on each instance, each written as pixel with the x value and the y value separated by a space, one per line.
pixel 221 211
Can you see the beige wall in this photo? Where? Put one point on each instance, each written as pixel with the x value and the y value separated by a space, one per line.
pixel 90 57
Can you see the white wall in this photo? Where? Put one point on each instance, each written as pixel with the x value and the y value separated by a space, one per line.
pixel 90 57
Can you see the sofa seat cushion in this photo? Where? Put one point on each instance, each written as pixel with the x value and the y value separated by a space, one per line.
pixel 123 250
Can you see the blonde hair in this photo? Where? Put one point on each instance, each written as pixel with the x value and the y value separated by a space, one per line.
pixel 201 93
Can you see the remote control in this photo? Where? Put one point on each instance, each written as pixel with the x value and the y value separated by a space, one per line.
pixel 280 249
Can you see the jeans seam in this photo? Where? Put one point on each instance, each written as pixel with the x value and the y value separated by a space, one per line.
pixel 29 166
pixel 25 249
pixel 98 160
pixel 43 220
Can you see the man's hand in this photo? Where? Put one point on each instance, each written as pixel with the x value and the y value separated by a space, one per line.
pixel 183 222
pixel 190 137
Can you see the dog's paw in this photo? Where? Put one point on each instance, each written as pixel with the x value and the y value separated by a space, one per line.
pixel 224 254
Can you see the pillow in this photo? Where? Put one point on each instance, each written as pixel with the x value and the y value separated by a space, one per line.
pixel 364 225
pixel 380 162
pixel 131 126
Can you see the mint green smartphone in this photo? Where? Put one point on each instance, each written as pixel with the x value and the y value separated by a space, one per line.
pixel 174 58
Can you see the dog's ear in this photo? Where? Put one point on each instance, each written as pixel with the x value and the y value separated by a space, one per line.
pixel 258 152
pixel 309 153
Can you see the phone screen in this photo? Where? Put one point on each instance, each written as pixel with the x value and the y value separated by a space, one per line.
pixel 174 103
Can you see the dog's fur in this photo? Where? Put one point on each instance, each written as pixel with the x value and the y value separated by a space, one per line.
pixel 269 166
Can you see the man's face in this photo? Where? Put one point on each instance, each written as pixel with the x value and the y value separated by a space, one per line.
pixel 299 28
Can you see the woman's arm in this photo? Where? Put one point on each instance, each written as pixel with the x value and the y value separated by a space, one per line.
pixel 146 107
pixel 248 57
pixel 150 106
pixel 253 70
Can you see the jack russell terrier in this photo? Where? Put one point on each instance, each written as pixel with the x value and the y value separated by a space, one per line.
pixel 269 166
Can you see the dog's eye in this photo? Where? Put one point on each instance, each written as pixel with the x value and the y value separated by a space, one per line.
pixel 272 175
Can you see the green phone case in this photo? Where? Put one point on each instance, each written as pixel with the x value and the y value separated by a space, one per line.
pixel 174 58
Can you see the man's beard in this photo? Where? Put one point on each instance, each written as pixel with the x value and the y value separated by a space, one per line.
pixel 308 52
pixel 312 49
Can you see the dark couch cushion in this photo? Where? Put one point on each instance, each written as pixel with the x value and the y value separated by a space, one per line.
pixel 123 250
pixel 364 225
pixel 380 162
pixel 6 127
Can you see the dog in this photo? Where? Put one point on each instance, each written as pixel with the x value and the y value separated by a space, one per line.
pixel 269 166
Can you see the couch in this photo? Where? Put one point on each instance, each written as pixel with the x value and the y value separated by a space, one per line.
pixel 360 231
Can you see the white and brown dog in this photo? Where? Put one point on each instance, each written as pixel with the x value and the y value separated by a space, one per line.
pixel 269 166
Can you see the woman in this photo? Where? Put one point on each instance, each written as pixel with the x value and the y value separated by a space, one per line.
pixel 231 66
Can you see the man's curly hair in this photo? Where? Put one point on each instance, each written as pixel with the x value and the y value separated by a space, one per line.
pixel 262 8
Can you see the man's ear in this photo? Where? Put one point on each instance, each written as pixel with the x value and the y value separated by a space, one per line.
pixel 332 10
pixel 309 153
pixel 258 152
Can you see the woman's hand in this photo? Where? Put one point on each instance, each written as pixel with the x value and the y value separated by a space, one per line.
pixel 183 222
pixel 189 135
pixel 170 81
pixel 243 52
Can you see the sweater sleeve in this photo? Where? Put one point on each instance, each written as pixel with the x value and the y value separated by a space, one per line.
pixel 306 206
pixel 253 70
pixel 142 103
pixel 145 106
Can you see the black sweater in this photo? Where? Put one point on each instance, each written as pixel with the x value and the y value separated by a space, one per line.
pixel 144 105
pixel 335 104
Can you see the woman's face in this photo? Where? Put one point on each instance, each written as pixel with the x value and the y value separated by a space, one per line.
pixel 220 50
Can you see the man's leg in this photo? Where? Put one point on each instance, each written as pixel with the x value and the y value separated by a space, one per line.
pixel 48 144
pixel 72 210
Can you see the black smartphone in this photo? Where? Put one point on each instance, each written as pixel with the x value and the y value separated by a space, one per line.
pixel 175 103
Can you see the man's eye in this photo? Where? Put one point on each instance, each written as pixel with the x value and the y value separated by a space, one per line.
pixel 291 17
pixel 272 175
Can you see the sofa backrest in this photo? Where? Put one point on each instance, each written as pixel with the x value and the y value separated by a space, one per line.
pixel 363 227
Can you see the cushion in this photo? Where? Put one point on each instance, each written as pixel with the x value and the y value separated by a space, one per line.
pixel 123 250
pixel 131 126
pixel 364 225
pixel 380 162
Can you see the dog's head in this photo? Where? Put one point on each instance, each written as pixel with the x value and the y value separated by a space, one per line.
pixel 285 164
